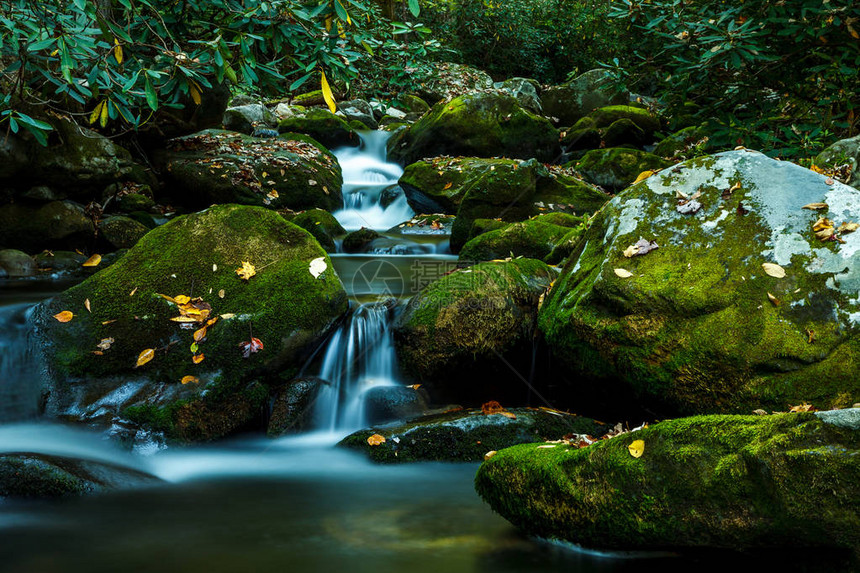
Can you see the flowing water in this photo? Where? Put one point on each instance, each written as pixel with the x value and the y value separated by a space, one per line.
pixel 297 504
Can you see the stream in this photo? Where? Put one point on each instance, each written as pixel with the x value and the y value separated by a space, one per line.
pixel 296 503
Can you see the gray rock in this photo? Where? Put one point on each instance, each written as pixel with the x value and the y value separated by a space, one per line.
pixel 56 224
pixel 17 264
pixel 571 101
pixel 121 232
pixel 246 118
pixel 848 418
pixel 386 403
pixel 524 90
pixel 293 406
pixel 844 151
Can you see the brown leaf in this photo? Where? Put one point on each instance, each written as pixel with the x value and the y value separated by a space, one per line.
pixel 775 301
pixel 375 440
pixel 145 356
pixel 189 379
pixel 802 408
pixel 199 334
pixel 507 414
pixel 105 343
pixel 848 227
pixel 448 185
pixel 64 316
pixel 759 412
pixel 815 206
pixel 93 261
pixel 221 293
pixel 251 347
pixel 491 407
pixel 197 358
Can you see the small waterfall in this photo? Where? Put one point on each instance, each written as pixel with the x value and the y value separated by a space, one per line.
pixel 360 356
pixel 366 175
pixel 20 379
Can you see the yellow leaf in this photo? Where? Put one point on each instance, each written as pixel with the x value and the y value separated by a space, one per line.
pixel 93 261
pixel 221 293
pixel 328 24
pixel 97 111
pixel 643 176
pixel 773 299
pixel 187 379
pixel 227 316
pixel 134 291
pixel 103 119
pixel 197 358
pixel 448 185
pixel 636 448
pixel 815 206
pixel 490 454
pixel 510 415
pixel 182 299
pixel 145 357
pixel 623 273
pixel 117 51
pixel 773 270
pixel 195 93
pixel 247 271
pixel 375 440
pixel 183 319
pixel 199 334
pixel 87 305
pixel 327 95
pixel 64 316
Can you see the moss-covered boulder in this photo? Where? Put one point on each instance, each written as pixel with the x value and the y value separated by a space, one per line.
pixel 617 167
pixel 33 227
pixel 321 124
pixel 292 171
pixel 684 143
pixel 128 357
pixel 453 332
pixel 247 118
pixel 486 124
pixel 845 152
pixel 604 117
pixel 446 80
pixel 533 239
pixel 467 435
pixel 703 323
pixel 119 232
pixel 512 191
pixel 569 102
pixel 736 482
pixel 321 224
pixel 358 241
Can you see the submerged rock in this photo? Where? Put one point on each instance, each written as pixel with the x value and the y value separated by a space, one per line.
pixel 467 435
pixel 486 124
pixel 292 171
pixel 785 481
pixel 127 357
pixel 741 307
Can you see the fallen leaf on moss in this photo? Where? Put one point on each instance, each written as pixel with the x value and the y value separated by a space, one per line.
pixel 246 271
pixel 145 356
pixel 773 270
pixel 759 412
pixel 491 407
pixel 802 408
pixel 448 185
pixel 375 440
pixel 643 176
pixel 105 343
pixel 182 299
pixel 134 290
pixel 64 316
pixel 197 358
pixel 815 206
pixel 636 448
pixel 623 273
pixel 251 347
pixel 199 334
pixel 640 247
pixel 89 308
pixel 221 293
pixel 823 229
pixel 317 267
pixel 189 379
pixel 490 454
pixel 194 347
pixel 227 316
pixel 507 414
pixel 775 301
pixel 93 261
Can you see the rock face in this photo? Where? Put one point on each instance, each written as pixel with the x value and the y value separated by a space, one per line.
pixel 571 101
pixel 843 152
pixel 453 332
pixel 292 171
pixel 466 435
pixel 699 324
pixel 92 359
pixel 616 168
pixel 56 224
pixel 486 124
pixel 738 482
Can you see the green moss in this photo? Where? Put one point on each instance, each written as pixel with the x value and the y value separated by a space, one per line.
pixel 321 224
pixel 710 481
pixel 27 476
pixel 616 168
pixel 357 241
pixel 321 124
pixel 532 239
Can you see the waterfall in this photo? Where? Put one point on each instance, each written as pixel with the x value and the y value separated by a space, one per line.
pixel 20 379
pixel 366 176
pixel 360 356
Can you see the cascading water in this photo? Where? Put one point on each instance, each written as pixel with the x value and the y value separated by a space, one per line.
pixel 19 375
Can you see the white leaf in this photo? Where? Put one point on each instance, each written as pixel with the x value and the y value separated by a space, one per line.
pixel 318 267
pixel 623 273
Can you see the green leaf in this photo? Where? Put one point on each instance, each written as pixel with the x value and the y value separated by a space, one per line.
pixel 38 124
pixel 414 7
pixel 151 96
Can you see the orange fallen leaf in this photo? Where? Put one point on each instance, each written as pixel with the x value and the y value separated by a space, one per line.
pixel 491 407
pixel 802 408
pixel 145 356
pixel 375 440
pixel 507 414
pixel 448 185
pixel 93 261
pixel 246 271
pixel 199 334
pixel 108 321
pixel 64 316
pixel 197 358
pixel 187 379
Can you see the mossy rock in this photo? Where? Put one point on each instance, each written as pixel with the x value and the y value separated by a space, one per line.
pixel 580 139
pixel 569 102
pixel 321 124
pixel 17 263
pixel 532 239
pixel 283 305
pixel 121 232
pixel 453 332
pixel 292 171
pixel 438 185
pixel 412 103
pixel 58 224
pixel 683 143
pixel 616 168
pixel 481 226
pixel 446 80
pixel 604 117
pixel 358 241
pixel 843 152
pixel 436 224
pixel 566 246
pixel 467 435
pixel 625 132
pixel 487 124
pixel 138 201
pixel 321 224
pixel 693 329
pixel 513 191
pixel 785 481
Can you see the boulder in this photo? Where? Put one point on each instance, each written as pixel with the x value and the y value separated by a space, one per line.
pixel 322 125
pixel 617 167
pixel 292 171
pixel 525 90
pixel 359 110
pixel 487 124
pixel 786 481
pixel 604 117
pixel 706 322
pixel 196 378
pixel 467 435
pixel 60 261
pixel 446 80
pixel 247 118
pixel 843 152
pixel 412 104
pixel 17 264
pixel 358 241
pixel 321 224
pixel 438 185
pixel 453 333
pixel 684 143
pixel 533 239
pixel 121 232
pixel 393 403
pixel 58 224
pixel 569 102
pixel 292 406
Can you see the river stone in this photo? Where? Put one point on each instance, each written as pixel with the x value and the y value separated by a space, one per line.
pixel 438 185
pixel 617 167
pixel 121 232
pixel 321 224
pixel 486 124
pixel 322 125
pixel 60 261
pixel 844 151
pixel 784 481
pixel 358 109
pixel 17 263
pixel 390 403
pixel 569 102
pixel 246 118
pixel 292 406
pixel 358 241
pixel 684 141
pixel 604 117
pixel 693 329
pixel 59 224
pixel 470 333
pixel 467 435
pixel 525 90
pixel 292 171
pixel 533 239
pixel 283 305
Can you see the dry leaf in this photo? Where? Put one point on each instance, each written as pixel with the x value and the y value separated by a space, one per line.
pixel 491 407
pixel 93 261
pixel 134 290
pixel 145 356
pixel 64 316
pixel 815 206
pixel 643 176
pixel 773 299
pixel 640 247
pixel 507 414
pixel 227 316
pixel 247 271
pixel 199 334
pixel 773 270
pixel 802 408
pixel 105 343
pixel 848 227
pixel 317 267
pixel 490 454
pixel 636 448
pixel 187 379
pixel 182 299
pixel 89 308
pixel 546 447
pixel 221 293
pixel 415 386
pixel 197 358
pixel 759 412
pixel 214 267
pixel 108 321
pixel 375 440
pixel 623 273
pixel 823 229
pixel 252 347
pixel 447 185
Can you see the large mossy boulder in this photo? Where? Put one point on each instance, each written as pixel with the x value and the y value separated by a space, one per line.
pixel 513 191
pixel 447 80
pixel 467 435
pixel 292 171
pixel 322 125
pixel 604 117
pixel 321 224
pixel 437 185
pixel 453 332
pixel 785 481
pixel 55 225
pixel 843 152
pixel 486 124
pixel 129 358
pixel 571 101
pixel 704 323
pixel 532 239
pixel 617 167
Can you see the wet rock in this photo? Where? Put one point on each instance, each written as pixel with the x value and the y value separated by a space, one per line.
pixel 322 125
pixel 467 435
pixel 843 152
pixel 357 241
pixel 571 101
pixel 616 168
pixel 293 406
pixel 734 482
pixel 60 261
pixel 359 110
pixel 525 90
pixel 387 403
pixel 534 239
pixel 321 224
pixel 699 324
pixel 17 264
pixel 59 224
pixel 121 232
pixel 446 80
